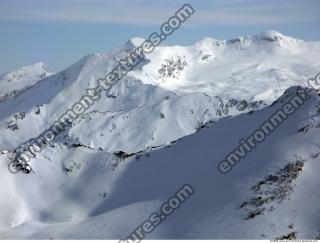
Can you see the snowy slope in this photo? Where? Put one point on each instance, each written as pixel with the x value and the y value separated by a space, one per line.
pixel 84 194
pixel 119 159
pixel 259 67
pixel 15 82
pixel 222 70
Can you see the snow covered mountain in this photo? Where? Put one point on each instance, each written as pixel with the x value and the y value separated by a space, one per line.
pixel 15 82
pixel 254 68
pixel 119 161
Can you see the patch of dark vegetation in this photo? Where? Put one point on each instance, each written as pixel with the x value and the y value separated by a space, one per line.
pixel 75 166
pixel 19 115
pixel 255 213
pixel 171 68
pixel 206 57
pixel 37 111
pixel 257 202
pixel 112 96
pixel 304 129
pixel 122 155
pixel 273 188
pixel 138 157
pixel 289 236
pixel 291 226
pixel 315 155
pixel 103 195
pixel 67 170
pixel 240 105
pixel 200 126
pixel 78 145
pixel 12 126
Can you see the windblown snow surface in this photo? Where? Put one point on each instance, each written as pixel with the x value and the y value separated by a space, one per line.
pixel 174 117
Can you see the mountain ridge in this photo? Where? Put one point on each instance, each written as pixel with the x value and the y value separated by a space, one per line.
pixel 168 123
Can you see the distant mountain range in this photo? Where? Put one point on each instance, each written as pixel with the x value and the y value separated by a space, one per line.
pixel 169 122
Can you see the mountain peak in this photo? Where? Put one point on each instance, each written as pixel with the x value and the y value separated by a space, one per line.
pixel 134 42
pixel 14 82
pixel 137 41
pixel 271 35
pixel 35 69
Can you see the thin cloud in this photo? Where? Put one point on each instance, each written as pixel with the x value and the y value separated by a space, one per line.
pixel 236 12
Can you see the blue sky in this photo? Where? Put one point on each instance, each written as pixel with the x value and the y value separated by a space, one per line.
pixel 59 32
